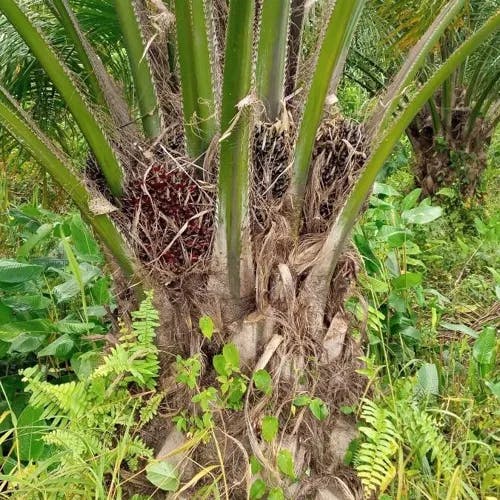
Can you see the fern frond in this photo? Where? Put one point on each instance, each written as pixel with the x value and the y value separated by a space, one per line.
pixel 69 400
pixel 137 353
pixel 145 322
pixel 96 419
pixel 77 443
pixel 423 436
pixel 135 450
pixel 373 459
pixel 150 409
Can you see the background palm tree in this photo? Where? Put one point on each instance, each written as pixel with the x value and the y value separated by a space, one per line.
pixel 203 184
pixel 450 136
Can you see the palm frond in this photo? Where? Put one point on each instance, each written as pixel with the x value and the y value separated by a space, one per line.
pixel 58 73
pixel 26 132
pixel 234 143
pixel 329 255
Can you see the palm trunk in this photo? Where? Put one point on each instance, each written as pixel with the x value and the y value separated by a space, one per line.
pixel 451 162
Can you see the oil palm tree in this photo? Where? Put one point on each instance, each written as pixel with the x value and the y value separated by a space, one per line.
pixel 451 134
pixel 213 187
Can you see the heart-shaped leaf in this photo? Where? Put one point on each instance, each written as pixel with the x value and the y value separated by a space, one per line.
pixel 285 463
pixel 207 327
pixel 270 427
pixel 163 475
pixel 258 489
pixel 263 381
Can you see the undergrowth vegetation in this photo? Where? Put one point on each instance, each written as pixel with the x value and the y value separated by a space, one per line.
pixel 429 421
pixel 78 386
pixel 76 434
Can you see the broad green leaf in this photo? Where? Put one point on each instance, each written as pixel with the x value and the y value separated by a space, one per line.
pixel 50 262
pixel 6 314
pixel 60 348
pixel 96 312
pixel 406 281
pixel 255 465
pixel 75 271
pixel 219 363
pixel 84 364
pixel 410 200
pixel 422 214
pixel 163 475
pixel 207 327
pixel 270 426
pixel 258 489
pixel 481 227
pixel 30 429
pixel 12 271
pixel 83 242
pixel 459 327
pixel 411 332
pixel 346 410
pixel 494 388
pixel 302 400
pixel 448 192
pixel 385 189
pixel 415 262
pixel 263 381
pixel 10 331
pixel 71 288
pixel 382 205
pixel 484 349
pixel 372 263
pixel 319 408
pixel 276 494
pixel 100 291
pixel 26 343
pixel 24 303
pixel 428 380
pixel 231 355
pixel 397 301
pixel 373 284
pixel 285 463
pixel 74 327
pixel 41 233
pixel 397 239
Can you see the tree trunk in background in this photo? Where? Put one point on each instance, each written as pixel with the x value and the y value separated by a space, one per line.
pixel 449 159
